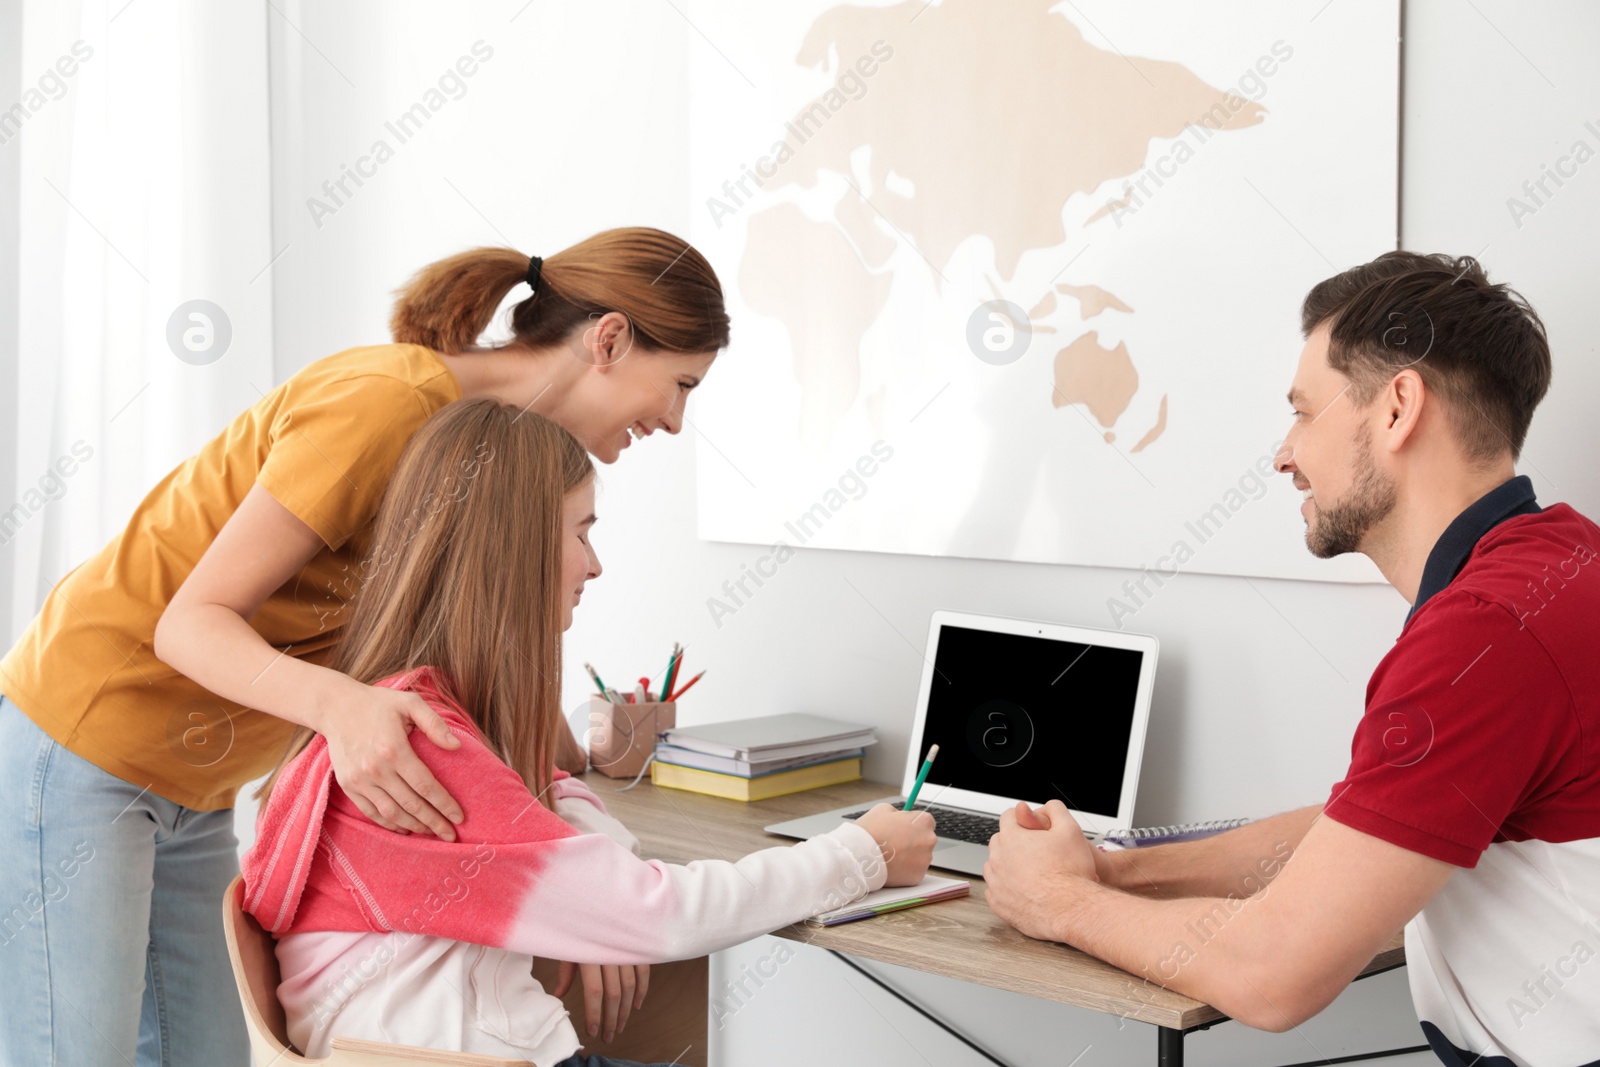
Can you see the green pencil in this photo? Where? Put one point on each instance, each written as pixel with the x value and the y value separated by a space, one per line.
pixel 672 671
pixel 922 776
pixel 598 684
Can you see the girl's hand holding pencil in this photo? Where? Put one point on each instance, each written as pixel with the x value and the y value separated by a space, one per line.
pixel 906 839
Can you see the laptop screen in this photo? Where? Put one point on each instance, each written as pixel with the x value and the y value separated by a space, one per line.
pixel 1030 717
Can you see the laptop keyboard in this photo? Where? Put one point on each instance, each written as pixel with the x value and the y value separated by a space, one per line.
pixel 958 825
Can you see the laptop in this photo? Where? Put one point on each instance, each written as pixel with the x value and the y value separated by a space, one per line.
pixel 1020 710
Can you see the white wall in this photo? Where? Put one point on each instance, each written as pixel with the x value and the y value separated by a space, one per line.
pixel 10 285
pixel 578 123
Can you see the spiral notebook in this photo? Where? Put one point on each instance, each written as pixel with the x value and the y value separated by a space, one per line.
pixel 1163 835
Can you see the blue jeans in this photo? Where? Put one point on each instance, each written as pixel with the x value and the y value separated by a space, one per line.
pixel 111 943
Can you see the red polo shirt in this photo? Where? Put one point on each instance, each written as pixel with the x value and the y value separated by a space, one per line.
pixel 1480 746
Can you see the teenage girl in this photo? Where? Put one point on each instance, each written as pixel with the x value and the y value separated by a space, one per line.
pixel 420 941
pixel 172 667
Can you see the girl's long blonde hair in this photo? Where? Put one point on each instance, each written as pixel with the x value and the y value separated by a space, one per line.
pixel 463 574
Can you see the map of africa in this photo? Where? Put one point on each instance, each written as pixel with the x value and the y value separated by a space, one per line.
pixel 1062 222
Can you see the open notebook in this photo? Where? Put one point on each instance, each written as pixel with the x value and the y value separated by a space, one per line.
pixel 930 889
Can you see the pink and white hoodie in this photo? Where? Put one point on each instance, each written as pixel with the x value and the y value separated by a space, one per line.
pixel 418 941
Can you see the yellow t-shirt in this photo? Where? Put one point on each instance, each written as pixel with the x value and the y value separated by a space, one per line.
pixel 324 444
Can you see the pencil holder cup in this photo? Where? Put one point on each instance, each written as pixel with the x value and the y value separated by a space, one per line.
pixel 623 736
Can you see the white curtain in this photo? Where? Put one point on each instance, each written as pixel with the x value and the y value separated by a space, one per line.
pixel 144 184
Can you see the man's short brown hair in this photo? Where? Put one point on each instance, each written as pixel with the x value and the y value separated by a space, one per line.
pixel 1478 346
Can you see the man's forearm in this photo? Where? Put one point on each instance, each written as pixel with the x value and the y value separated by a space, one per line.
pixel 1192 946
pixel 213 646
pixel 1238 863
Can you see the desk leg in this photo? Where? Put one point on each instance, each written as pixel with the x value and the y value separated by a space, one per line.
pixel 1169 1047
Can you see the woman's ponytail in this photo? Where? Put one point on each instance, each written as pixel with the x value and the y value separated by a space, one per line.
pixel 447 305
pixel 663 285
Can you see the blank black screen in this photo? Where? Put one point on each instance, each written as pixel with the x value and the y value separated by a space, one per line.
pixel 1030 717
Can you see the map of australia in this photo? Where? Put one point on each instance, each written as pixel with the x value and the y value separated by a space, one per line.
pixel 978 125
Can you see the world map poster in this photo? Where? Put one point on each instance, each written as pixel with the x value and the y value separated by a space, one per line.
pixel 1022 281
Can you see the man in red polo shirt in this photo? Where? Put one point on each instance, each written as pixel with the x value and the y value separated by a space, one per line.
pixel 1470 813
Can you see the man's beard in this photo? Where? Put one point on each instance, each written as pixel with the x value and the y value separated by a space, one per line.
pixel 1340 528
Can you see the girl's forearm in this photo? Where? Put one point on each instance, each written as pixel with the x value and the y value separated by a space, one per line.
pixel 213 646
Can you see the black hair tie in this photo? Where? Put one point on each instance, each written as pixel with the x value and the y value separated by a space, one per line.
pixel 535 265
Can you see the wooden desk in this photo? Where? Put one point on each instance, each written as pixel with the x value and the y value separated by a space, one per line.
pixel 957 938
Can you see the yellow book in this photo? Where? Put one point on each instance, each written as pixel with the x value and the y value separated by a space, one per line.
pixel 733 787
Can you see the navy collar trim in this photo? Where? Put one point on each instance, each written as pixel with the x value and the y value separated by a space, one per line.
pixel 1450 552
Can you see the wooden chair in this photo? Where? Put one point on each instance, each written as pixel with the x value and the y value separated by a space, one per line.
pixel 255 972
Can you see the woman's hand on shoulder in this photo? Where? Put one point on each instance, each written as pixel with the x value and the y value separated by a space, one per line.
pixel 906 839
pixel 376 766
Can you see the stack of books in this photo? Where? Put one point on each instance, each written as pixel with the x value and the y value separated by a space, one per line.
pixel 753 759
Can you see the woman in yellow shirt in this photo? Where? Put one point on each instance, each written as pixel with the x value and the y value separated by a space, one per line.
pixel 171 668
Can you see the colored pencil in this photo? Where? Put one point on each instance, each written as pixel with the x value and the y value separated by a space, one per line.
pixel 672 669
pixel 922 776
pixel 686 686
